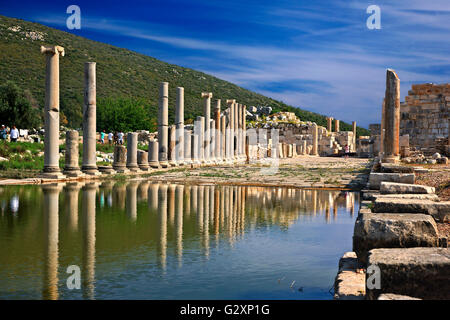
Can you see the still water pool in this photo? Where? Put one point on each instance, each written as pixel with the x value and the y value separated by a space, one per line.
pixel 144 240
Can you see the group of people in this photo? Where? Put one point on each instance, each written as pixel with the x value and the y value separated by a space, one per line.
pixel 113 138
pixel 13 133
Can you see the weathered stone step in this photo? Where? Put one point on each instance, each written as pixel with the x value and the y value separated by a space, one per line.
pixel 439 210
pixel 387 230
pixel 402 188
pixel 349 284
pixel 394 168
pixel 431 197
pixel 375 179
pixel 418 272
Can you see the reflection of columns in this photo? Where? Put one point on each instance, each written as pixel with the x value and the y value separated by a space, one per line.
pixel 200 206
pixel 119 190
pixel 207 114
pixel 51 232
pixel 131 200
pixel 163 123
pixel 172 144
pixel 153 153
pixel 162 222
pixel 171 204
pixel 51 112
pixel 206 213
pixel 71 201
pixel 187 200
pixel 218 122
pixel 143 191
pixel 88 210
pixel 216 212
pixel 132 146
pixel 187 157
pixel 71 167
pixel 392 118
pixel 179 123
pixel 330 124
pixel 194 199
pixel 153 196
pixel 90 121
pixel 336 125
pixel 315 140
pixel 179 222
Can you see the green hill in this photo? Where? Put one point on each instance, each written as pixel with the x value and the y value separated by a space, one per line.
pixel 120 73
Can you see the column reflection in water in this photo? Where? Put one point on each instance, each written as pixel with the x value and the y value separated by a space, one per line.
pixel 216 214
pixel 206 210
pixel 187 200
pixel 179 222
pixel 153 196
pixel 88 260
pixel 71 202
pixel 107 187
pixel 194 199
pixel 162 221
pixel 131 200
pixel 171 203
pixel 51 233
pixel 143 191
pixel 119 190
pixel 200 205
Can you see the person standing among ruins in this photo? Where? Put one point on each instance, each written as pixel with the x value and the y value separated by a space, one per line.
pixel 3 133
pixel 14 134
pixel 120 137
pixel 347 150
pixel 110 138
pixel 102 137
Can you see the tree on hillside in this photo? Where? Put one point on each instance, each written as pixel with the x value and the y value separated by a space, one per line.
pixel 124 114
pixel 16 109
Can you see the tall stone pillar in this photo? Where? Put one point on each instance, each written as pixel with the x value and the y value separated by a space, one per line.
pixel 71 167
pixel 223 122
pixel 236 131
pixel 90 121
pixel 383 111
pixel 231 105
pixel 120 158
pixel 354 136
pixel 336 125
pixel 330 124
pixel 179 123
pixel 218 122
pixel 392 118
pixel 197 146
pixel 51 113
pixel 315 144
pixel 163 124
pixel 239 131
pixel 207 135
pixel 187 159
pixel 244 132
pixel 172 146
pixel 132 143
pixel 212 148
pixel 153 152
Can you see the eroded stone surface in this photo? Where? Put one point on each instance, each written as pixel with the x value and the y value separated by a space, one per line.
pixel 386 230
pixel 401 188
pixel 418 272
pixel 392 296
pixel 376 178
pixel 349 284
pixel 439 210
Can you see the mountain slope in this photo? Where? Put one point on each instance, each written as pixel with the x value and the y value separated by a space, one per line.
pixel 120 72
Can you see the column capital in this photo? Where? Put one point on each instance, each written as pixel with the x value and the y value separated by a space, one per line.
pixel 231 101
pixel 53 50
pixel 207 95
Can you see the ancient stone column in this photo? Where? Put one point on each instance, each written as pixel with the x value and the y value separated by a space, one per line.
pixel 305 148
pixel 179 123
pixel 51 112
pixel 228 136
pixel 336 125
pixel 90 121
pixel 197 145
pixel 163 123
pixel 330 124
pixel 120 158
pixel 153 151
pixel 132 143
pixel 218 147
pixel 383 111
pixel 172 144
pixel 142 159
pixel 315 147
pixel 354 136
pixel 392 118
pixel 239 131
pixel 231 105
pixel 236 131
pixel 71 167
pixel 207 114
pixel 187 159
pixel 212 148
pixel 223 122
pixel 244 132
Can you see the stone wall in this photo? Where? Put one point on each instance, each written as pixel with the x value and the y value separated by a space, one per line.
pixel 425 116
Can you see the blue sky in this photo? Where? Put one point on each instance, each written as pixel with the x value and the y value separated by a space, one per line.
pixel 318 54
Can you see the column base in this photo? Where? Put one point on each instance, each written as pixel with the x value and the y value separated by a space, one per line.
pixel 121 169
pixel 52 175
pixel 154 164
pixel 173 164
pixel 144 168
pixel 164 164
pixel 390 159
pixel 106 170
pixel 73 173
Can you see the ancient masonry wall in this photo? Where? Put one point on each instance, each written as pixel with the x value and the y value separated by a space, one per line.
pixel 425 117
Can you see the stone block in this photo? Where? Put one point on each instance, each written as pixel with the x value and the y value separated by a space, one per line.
pixel 391 296
pixel 349 284
pixel 439 210
pixel 419 272
pixel 376 178
pixel 401 188
pixel 387 230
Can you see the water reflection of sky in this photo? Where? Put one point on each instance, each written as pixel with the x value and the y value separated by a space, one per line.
pixel 142 240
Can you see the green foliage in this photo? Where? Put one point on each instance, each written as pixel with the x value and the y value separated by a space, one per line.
pixel 120 73
pixel 10 148
pixel 122 114
pixel 15 108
